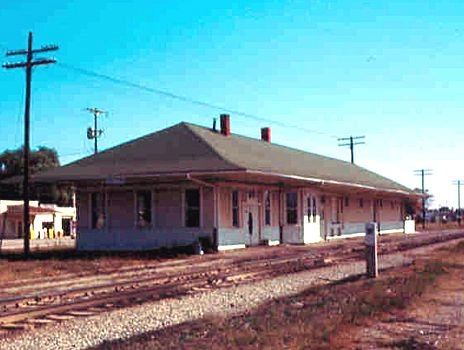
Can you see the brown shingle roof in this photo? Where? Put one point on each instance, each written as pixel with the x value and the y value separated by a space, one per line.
pixel 173 150
pixel 262 156
pixel 185 148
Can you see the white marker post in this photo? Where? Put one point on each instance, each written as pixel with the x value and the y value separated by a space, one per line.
pixel 371 250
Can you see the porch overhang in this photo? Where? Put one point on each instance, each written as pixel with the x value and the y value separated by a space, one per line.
pixel 253 177
pixel 246 177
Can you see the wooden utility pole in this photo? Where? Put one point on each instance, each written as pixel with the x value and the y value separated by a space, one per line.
pixel 458 183
pixel 423 173
pixel 94 133
pixel 351 144
pixel 29 52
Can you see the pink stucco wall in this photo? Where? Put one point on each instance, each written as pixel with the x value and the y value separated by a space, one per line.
pixel 208 207
pixel 354 213
pixel 168 219
pixel 275 208
pixel 83 210
pixel 225 207
pixel 121 210
pixel 390 213
pixel 168 204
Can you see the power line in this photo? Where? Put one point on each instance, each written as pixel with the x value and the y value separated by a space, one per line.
pixel 423 173
pixel 30 62
pixel 351 144
pixel 186 99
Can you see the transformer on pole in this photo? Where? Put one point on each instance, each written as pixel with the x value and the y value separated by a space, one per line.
pixel 94 133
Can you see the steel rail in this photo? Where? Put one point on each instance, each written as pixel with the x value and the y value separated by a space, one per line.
pixel 245 271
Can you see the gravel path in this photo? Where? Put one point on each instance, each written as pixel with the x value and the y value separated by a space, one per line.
pixel 81 333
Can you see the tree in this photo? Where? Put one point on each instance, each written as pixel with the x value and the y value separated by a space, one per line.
pixel 414 207
pixel 44 158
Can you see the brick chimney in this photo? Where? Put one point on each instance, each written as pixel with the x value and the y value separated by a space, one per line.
pixel 225 124
pixel 266 134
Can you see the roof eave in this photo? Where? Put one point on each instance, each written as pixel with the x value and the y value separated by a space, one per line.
pixel 321 182
pixel 182 174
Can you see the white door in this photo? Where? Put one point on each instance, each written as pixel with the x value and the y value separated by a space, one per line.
pixel 251 223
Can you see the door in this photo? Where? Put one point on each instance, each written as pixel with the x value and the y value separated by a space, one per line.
pixel 336 216
pixel 251 223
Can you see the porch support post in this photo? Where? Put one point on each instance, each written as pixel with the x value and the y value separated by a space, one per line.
pixel 301 214
pixel 281 215
pixel 202 207
pixel 153 209
pixel 106 196
pixel 134 210
pixel 216 218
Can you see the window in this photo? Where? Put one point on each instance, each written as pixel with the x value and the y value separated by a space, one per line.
pixel 192 208
pixel 143 208
pixel 311 207
pixel 235 209
pixel 347 202
pixel 392 204
pixel 267 208
pixel 97 206
pixel 361 203
pixel 314 206
pixel 292 208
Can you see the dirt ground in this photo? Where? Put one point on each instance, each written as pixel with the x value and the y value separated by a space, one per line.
pixel 66 262
pixel 437 226
pixel 416 307
pixel 420 306
pixel 434 320
pixel 72 263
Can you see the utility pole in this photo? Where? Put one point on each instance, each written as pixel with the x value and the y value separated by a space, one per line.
pixel 423 173
pixel 29 52
pixel 458 183
pixel 94 133
pixel 351 144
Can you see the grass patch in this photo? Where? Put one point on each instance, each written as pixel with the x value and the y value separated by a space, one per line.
pixel 310 320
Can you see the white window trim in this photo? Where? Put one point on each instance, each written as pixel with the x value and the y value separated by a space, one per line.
pixel 313 199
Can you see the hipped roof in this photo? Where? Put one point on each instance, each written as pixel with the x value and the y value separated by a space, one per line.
pixel 187 148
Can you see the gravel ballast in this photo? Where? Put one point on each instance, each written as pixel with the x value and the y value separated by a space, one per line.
pixel 81 333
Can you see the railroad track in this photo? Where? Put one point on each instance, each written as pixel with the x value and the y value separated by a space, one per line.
pixel 22 312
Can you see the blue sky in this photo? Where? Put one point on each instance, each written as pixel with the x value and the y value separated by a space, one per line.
pixel 389 70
